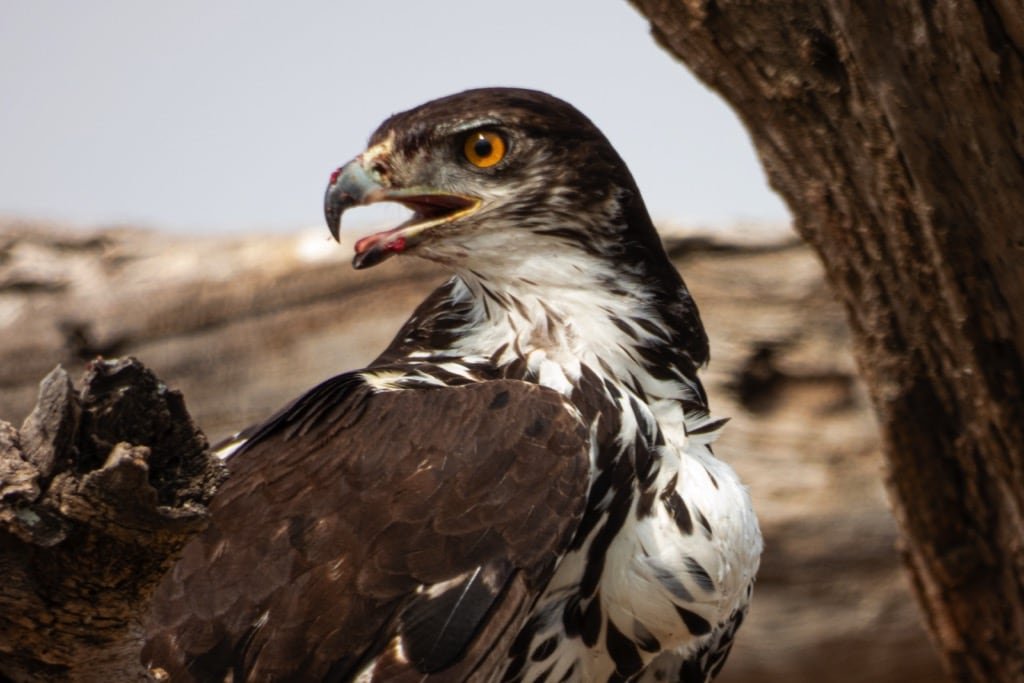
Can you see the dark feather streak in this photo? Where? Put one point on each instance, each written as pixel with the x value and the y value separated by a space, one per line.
pixel 437 630
pixel 696 624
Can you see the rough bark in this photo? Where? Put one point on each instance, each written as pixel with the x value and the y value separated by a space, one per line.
pixel 893 130
pixel 99 490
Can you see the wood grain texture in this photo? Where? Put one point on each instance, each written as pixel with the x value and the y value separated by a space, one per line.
pixel 99 491
pixel 892 130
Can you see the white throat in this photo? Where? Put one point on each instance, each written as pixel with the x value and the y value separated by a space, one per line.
pixel 557 324
pixel 569 321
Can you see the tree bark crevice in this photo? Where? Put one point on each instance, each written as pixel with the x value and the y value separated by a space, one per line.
pixel 99 491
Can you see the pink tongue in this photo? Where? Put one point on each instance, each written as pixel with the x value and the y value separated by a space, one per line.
pixel 381 240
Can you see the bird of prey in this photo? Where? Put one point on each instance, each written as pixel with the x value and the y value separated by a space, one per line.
pixel 521 487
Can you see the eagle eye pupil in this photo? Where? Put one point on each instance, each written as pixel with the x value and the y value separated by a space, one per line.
pixel 483 147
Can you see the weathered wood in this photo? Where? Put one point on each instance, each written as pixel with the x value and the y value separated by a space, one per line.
pixel 893 132
pixel 99 491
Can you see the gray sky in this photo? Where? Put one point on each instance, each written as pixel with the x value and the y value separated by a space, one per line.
pixel 200 116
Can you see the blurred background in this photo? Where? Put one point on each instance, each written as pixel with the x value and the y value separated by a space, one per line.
pixel 161 174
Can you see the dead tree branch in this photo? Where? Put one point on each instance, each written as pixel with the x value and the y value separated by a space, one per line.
pixel 99 491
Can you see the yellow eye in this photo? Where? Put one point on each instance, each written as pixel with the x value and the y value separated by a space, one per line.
pixel 484 148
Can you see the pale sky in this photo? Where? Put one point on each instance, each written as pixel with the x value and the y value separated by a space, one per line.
pixel 213 116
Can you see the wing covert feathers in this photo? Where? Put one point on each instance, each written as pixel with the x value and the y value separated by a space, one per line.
pixel 405 531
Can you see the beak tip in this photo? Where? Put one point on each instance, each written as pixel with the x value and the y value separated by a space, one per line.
pixel 362 261
pixel 371 256
pixel 334 225
pixel 331 212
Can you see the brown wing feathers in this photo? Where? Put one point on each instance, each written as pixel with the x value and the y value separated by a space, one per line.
pixel 407 526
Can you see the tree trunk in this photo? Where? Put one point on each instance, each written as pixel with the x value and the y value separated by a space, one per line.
pixel 893 130
pixel 99 491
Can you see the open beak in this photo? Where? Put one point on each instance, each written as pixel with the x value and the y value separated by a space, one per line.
pixel 352 185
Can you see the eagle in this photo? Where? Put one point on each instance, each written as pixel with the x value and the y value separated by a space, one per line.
pixel 521 487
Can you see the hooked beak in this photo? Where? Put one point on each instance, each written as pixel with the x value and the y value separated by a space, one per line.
pixel 352 185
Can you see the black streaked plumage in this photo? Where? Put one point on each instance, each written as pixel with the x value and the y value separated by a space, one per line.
pixel 520 487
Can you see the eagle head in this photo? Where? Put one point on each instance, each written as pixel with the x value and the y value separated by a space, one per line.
pixel 495 177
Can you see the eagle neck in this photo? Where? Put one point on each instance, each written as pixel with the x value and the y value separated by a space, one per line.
pixel 608 324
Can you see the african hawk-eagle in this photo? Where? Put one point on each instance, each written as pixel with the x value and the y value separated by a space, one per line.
pixel 521 486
